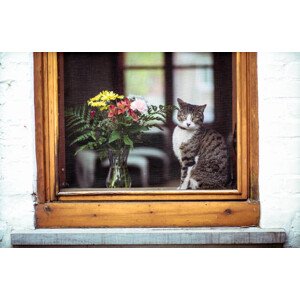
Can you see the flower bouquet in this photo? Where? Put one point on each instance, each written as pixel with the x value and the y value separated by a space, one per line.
pixel 110 124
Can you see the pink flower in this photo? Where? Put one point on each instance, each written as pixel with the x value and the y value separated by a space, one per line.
pixel 139 105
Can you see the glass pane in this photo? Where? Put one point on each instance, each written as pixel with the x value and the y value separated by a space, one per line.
pixel 152 163
pixel 144 59
pixel 146 83
pixel 196 86
pixel 193 58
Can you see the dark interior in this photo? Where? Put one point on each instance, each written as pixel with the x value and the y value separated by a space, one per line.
pixel 83 75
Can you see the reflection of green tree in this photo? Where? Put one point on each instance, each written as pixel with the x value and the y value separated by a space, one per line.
pixel 143 82
pixel 144 59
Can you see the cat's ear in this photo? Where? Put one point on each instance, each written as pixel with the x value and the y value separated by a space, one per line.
pixel 180 102
pixel 202 107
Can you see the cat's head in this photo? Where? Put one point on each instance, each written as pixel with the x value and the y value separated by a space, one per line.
pixel 190 116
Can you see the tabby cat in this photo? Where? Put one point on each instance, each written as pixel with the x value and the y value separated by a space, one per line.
pixel 202 152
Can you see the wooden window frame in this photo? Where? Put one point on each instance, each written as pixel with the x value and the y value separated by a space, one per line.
pixel 137 207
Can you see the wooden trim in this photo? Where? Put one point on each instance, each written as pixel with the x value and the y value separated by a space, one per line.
pixel 50 104
pixel 253 145
pixel 191 208
pixel 53 124
pixel 147 214
pixel 242 124
pixel 39 101
pixel 242 87
pixel 46 116
pixel 141 194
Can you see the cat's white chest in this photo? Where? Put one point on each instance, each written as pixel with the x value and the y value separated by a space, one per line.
pixel 180 136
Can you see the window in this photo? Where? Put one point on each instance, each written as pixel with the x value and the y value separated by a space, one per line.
pixel 160 78
pixel 65 78
pixel 144 75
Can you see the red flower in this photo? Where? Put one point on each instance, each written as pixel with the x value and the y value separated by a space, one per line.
pixel 122 107
pixel 133 115
pixel 92 114
pixel 113 111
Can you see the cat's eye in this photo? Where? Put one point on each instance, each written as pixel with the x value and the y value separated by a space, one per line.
pixel 181 116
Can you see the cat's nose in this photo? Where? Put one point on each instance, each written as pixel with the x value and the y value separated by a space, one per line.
pixel 188 124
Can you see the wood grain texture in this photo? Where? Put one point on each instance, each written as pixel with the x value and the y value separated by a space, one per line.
pixel 46 124
pixel 241 87
pixel 49 100
pixel 242 124
pixel 39 126
pixel 144 194
pixel 147 214
pixel 253 147
pixel 53 124
pixel 46 112
pixel 181 208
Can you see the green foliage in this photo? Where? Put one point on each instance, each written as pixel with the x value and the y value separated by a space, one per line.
pixel 144 58
pixel 92 129
pixel 127 141
pixel 115 135
pixel 85 131
pixel 156 115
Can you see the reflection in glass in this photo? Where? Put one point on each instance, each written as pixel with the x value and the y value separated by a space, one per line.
pixel 196 86
pixel 197 78
pixel 146 83
pixel 193 58
pixel 143 59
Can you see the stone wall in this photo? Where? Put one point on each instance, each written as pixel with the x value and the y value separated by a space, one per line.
pixel 279 140
pixel 17 148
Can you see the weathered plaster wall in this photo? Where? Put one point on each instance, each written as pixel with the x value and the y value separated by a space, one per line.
pixel 279 116
pixel 17 154
pixel 279 138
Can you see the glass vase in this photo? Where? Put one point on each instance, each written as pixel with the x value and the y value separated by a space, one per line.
pixel 118 175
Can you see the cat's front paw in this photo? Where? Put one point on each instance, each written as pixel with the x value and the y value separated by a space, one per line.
pixel 194 184
pixel 182 187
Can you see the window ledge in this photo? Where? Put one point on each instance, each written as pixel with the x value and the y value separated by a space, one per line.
pixel 230 236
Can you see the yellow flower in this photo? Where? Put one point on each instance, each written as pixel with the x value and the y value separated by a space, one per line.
pixel 102 99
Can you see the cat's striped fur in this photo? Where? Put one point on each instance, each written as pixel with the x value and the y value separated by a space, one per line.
pixel 202 152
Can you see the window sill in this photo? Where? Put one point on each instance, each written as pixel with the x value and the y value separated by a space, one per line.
pixel 193 237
